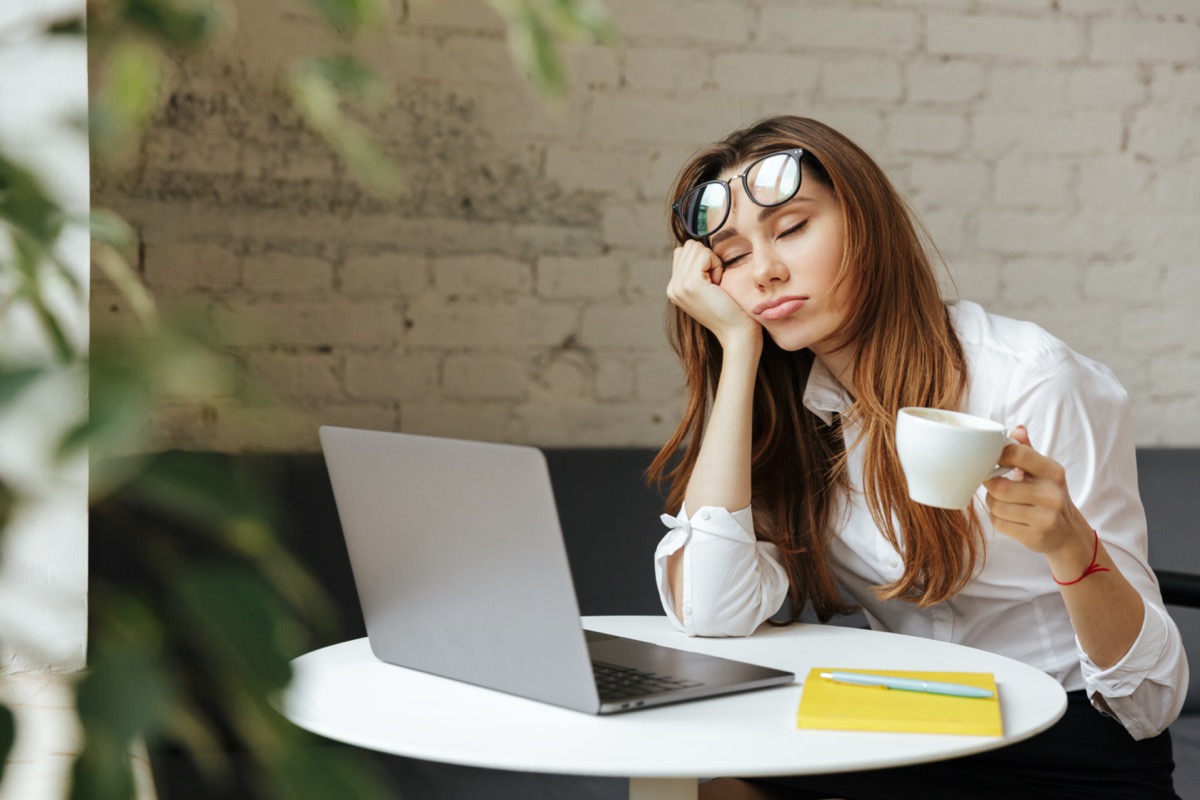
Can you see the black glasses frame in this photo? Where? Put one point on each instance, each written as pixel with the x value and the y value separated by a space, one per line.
pixel 796 153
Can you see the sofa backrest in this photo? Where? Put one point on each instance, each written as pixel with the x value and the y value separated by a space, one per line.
pixel 1169 483
pixel 610 523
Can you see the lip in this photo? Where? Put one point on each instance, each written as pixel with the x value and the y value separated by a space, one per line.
pixel 779 307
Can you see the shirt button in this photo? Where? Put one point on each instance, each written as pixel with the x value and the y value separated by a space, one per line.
pixel 705 515
pixel 894 563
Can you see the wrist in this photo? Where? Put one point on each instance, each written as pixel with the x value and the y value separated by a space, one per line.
pixel 743 343
pixel 1076 559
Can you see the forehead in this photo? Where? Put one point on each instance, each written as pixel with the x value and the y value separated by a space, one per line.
pixel 740 168
pixel 812 189
pixel 736 169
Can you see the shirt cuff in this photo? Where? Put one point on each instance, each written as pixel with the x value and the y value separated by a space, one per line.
pixel 1117 684
pixel 1122 678
pixel 710 523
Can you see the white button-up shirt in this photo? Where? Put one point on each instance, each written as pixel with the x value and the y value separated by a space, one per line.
pixel 1076 413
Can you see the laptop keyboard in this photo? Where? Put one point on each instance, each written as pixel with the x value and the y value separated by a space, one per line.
pixel 619 683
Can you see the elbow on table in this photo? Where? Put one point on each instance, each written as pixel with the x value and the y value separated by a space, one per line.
pixel 715 620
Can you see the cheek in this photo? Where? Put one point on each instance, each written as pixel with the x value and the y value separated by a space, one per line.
pixel 734 284
pixel 820 255
pixel 836 246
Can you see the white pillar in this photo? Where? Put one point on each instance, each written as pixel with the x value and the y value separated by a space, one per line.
pixel 43 554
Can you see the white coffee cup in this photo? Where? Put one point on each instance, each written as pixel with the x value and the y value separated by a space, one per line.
pixel 946 455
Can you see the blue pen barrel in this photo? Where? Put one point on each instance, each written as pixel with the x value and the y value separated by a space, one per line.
pixel 908 684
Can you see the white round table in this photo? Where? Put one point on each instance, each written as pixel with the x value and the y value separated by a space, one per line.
pixel 343 692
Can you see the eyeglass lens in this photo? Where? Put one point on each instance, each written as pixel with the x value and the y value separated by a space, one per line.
pixel 774 179
pixel 770 181
pixel 705 208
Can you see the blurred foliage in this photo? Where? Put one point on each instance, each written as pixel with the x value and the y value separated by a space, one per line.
pixel 34 223
pixel 536 27
pixel 319 88
pixel 130 44
pixel 197 607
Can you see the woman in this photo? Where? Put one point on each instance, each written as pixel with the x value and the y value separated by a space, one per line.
pixel 807 313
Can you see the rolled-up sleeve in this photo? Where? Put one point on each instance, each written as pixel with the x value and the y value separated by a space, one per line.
pixel 1142 689
pixel 1086 423
pixel 732 583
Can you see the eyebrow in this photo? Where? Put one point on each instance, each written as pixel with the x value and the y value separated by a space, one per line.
pixel 763 215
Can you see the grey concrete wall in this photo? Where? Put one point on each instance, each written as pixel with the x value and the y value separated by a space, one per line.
pixel 515 291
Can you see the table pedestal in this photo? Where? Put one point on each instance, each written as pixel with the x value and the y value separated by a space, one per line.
pixel 663 789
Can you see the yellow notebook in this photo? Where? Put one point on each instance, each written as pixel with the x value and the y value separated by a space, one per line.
pixel 828 705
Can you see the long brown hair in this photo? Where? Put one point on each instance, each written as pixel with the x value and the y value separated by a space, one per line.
pixel 906 354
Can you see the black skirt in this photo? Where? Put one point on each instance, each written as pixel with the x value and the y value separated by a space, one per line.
pixel 1085 755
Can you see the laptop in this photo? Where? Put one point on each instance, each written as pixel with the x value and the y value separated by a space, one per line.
pixel 462 572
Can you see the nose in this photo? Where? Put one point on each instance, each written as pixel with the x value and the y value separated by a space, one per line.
pixel 769 267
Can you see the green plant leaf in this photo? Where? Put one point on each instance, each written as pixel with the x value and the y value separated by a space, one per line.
pixel 134 82
pixel 536 29
pixel 8 736
pixel 15 380
pixel 67 274
pixel 30 256
pixel 118 402
pixel 67 26
pixel 131 375
pixel 583 20
pixel 130 81
pixel 179 23
pixel 112 229
pixel 26 205
pixel 315 88
pixel 102 771
pixel 125 696
pixel 63 349
pixel 351 16
pixel 348 77
pixel 128 621
pixel 236 613
pixel 537 51
pixel 204 492
pixel 115 265
pixel 8 503
pixel 125 693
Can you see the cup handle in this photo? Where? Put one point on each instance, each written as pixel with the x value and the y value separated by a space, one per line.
pixel 998 471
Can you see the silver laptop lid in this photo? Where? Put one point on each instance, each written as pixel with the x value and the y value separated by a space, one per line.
pixel 459 561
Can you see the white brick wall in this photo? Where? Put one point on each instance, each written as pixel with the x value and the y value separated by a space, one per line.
pixel 515 291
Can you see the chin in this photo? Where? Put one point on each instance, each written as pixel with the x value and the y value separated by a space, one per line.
pixel 790 344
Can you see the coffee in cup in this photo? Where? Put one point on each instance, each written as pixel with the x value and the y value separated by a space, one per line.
pixel 946 455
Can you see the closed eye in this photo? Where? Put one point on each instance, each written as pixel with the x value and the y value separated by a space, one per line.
pixel 794 229
pixel 732 262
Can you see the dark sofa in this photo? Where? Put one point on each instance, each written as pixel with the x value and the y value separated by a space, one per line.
pixel 610 555
pixel 1169 482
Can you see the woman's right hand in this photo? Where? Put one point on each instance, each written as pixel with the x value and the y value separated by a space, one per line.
pixel 695 288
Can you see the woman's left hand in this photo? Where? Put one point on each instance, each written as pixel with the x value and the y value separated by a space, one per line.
pixel 1034 507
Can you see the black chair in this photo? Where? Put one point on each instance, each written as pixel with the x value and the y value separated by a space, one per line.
pixel 1167 481
pixel 1179 588
pixel 1181 593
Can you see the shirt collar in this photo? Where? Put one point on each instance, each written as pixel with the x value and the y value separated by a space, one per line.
pixel 824 395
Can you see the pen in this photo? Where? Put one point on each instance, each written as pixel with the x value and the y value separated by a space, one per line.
pixel 908 684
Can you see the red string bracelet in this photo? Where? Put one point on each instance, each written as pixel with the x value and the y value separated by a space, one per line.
pixel 1092 567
